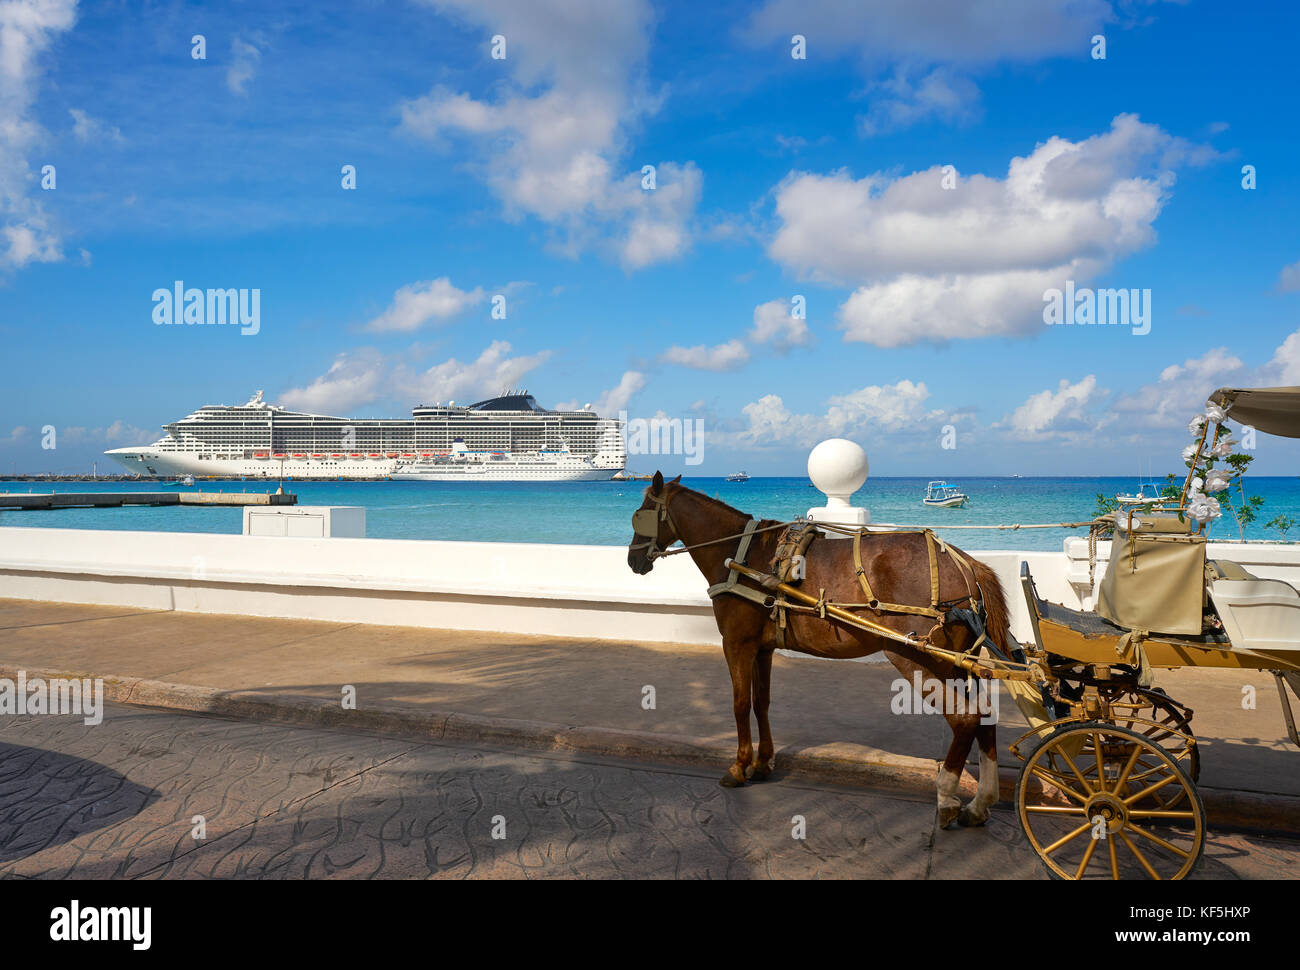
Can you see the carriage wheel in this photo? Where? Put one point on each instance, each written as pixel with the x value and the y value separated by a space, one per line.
pixel 1101 801
pixel 1151 712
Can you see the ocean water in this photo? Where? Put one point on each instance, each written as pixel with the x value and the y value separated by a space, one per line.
pixel 600 513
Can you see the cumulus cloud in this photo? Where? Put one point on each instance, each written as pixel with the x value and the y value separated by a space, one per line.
pixel 902 101
pixel 617 398
pixel 353 380
pixel 936 264
pixel 1063 413
pixel 1288 281
pixel 774 325
pixel 431 301
pixel 27 29
pixel 728 356
pixel 929 50
pixel 887 409
pixel 1179 392
pixel 556 128
pixel 1283 369
pixel 365 376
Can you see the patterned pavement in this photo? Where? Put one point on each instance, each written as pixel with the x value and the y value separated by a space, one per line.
pixel 122 800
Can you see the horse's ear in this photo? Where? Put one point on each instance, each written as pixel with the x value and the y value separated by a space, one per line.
pixel 677 480
pixel 657 485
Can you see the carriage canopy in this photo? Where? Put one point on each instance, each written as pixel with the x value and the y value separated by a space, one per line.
pixel 1275 410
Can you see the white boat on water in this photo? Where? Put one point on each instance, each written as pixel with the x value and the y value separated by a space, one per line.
pixel 941 495
pixel 738 477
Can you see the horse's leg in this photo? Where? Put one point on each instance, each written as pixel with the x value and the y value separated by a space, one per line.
pixel 963 730
pixel 740 662
pixel 977 812
pixel 762 696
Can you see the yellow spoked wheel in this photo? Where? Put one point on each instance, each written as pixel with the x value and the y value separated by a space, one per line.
pixel 1151 713
pixel 1101 801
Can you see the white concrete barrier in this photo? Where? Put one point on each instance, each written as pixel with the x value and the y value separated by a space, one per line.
pixel 557 590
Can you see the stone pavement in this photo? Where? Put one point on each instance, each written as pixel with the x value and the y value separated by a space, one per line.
pixel 586 684
pixel 120 800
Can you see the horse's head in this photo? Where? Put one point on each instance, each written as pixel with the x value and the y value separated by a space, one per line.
pixel 652 527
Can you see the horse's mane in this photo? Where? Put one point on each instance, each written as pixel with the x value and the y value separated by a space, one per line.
pixel 715 502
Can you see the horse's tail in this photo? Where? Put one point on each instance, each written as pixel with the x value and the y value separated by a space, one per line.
pixel 997 619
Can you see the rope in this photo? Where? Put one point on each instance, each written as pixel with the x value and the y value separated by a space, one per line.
pixel 854 529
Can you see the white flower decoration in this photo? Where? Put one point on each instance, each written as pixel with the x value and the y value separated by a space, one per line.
pixel 1203 509
pixel 1224 447
pixel 1195 425
pixel 1215 413
pixel 1189 453
pixel 1216 482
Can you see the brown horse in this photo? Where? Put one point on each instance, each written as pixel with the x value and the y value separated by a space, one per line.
pixel 898 567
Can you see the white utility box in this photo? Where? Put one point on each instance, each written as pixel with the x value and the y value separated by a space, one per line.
pixel 306 521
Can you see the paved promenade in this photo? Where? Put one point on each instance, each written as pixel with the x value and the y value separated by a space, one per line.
pixel 120 800
pixel 839 712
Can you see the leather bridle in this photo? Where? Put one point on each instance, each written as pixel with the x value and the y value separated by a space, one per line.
pixel 646 523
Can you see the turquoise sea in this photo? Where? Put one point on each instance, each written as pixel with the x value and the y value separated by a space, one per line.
pixel 600 513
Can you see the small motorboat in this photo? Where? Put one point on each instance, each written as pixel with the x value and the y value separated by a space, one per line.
pixel 738 477
pixel 941 495
pixel 186 481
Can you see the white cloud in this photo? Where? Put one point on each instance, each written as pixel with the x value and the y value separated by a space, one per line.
pixel 1060 413
pixel 1288 281
pixel 726 356
pixel 366 376
pixel 88 129
pixel 871 410
pixel 556 129
pixel 245 58
pixel 1283 370
pixel 900 101
pixel 616 398
pixel 775 324
pixel 26 30
pixel 970 32
pixel 1180 391
pixel 936 264
pixel 352 380
pixel 416 304
pixel 483 377
pixel 938 41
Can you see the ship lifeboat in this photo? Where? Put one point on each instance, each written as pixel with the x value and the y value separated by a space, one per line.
pixel 338 456
pixel 279 455
pixel 406 454
pixel 318 456
pixel 392 454
pixel 426 454
pixel 356 454
pixel 300 455
pixel 261 454
pixel 376 455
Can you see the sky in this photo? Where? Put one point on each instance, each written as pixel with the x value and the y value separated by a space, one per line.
pixel 781 221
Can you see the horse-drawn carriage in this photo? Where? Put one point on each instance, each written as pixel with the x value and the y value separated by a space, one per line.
pixel 1108 781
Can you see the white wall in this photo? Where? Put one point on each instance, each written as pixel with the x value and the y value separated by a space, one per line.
pixel 582 591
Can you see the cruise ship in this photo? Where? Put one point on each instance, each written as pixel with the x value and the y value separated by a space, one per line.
pixel 507 438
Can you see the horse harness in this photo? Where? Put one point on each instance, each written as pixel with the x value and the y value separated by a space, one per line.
pixel 793 545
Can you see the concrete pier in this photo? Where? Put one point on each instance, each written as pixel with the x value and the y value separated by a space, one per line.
pixel 101 500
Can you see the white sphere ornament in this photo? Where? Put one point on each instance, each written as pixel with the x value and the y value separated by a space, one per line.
pixel 838 467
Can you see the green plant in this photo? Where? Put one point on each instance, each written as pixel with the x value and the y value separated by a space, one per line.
pixel 1283 524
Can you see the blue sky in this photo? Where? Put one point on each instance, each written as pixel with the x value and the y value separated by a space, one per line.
pixel 775 177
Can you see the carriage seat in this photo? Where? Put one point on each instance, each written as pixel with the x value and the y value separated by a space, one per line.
pixel 1225 569
pixel 1257 614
